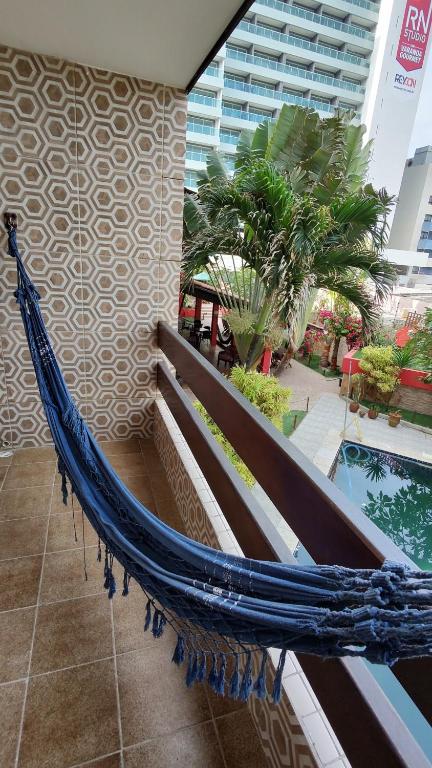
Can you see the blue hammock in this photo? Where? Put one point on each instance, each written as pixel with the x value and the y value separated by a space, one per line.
pixel 222 607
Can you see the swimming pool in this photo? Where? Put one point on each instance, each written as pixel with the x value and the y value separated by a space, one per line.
pixel 393 491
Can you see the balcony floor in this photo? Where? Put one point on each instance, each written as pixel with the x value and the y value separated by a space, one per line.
pixel 80 683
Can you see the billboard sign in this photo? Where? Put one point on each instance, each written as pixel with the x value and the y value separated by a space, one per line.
pixel 414 34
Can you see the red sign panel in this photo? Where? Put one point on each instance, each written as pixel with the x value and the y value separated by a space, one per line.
pixel 414 34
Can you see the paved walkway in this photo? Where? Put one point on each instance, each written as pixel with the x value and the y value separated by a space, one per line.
pixel 306 383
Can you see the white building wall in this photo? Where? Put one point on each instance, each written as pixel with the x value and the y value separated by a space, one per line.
pixel 393 90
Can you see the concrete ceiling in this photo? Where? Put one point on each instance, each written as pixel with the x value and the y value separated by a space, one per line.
pixel 163 41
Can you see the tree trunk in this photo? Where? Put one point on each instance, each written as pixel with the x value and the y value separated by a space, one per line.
pixel 335 353
pixel 324 359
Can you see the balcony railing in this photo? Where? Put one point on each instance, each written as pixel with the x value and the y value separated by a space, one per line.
pixel 329 526
pixel 298 42
pixel 288 69
pixel 200 128
pixel 228 138
pixel 271 93
pixel 196 154
pixel 199 98
pixel 243 115
pixel 212 71
pixel 318 18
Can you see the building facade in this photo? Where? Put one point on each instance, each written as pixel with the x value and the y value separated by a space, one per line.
pixel 411 233
pixel 341 54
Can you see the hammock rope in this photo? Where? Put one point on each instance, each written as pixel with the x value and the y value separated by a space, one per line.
pixel 223 608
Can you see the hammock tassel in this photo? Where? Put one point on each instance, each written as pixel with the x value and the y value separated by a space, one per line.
pixel 126 578
pixel 201 667
pixel 212 678
pixel 247 682
pixel 99 551
pixel 277 683
pixel 147 619
pixel 159 622
pixel 62 472
pixel 220 683
pixel 112 587
pixel 234 689
pixel 192 670
pixel 260 683
pixel 179 650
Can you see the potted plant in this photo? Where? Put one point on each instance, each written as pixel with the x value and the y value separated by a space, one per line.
pixel 394 418
pixel 373 412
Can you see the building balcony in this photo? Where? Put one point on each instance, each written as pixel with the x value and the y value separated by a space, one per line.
pixel 269 97
pixel 259 65
pixel 294 45
pixel 316 21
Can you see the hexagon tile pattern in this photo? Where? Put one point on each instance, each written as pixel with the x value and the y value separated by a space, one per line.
pixel 93 164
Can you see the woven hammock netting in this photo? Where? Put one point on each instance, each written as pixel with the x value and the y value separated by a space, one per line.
pixel 223 608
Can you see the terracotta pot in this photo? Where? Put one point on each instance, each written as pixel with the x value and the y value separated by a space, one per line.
pixel 393 419
pixel 372 413
pixel 354 407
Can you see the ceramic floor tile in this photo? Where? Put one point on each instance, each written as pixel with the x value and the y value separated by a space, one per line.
pixel 29 475
pixel 240 741
pixel 154 700
pixel 140 486
pixel 128 464
pixel 193 747
pixel 63 575
pixel 31 455
pixel 61 532
pixel 119 447
pixel 57 506
pixel 72 632
pixel 70 717
pixel 113 761
pixel 19 581
pixel 3 472
pixel 16 631
pixel 25 502
pixel 11 702
pixel 22 537
pixel 129 615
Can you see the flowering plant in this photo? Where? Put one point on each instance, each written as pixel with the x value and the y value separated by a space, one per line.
pixel 312 337
pixel 337 325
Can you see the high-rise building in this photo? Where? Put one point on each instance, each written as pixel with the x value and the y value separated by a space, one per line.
pixel 411 233
pixel 347 54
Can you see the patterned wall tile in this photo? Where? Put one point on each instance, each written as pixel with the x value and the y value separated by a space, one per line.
pixel 174 133
pixel 28 425
pixel 57 277
pixel 46 202
pixel 120 213
pixel 169 289
pixel 3 392
pixel 172 219
pixel 92 163
pixel 119 419
pixel 19 372
pixel 119 120
pixel 119 294
pixel 120 365
pixel 37 104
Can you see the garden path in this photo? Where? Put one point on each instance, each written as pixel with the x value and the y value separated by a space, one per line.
pixel 306 383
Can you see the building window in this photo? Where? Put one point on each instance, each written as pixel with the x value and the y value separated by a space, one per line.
pixel 428 217
pixel 191 179
pixel 200 125
pixel 229 136
pixel 430 200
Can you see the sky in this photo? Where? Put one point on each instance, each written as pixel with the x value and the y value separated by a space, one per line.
pixel 422 131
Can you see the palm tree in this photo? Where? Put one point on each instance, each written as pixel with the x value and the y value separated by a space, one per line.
pixel 296 217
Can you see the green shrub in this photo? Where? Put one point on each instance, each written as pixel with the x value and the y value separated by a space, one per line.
pixel 402 356
pixel 266 394
pixel 379 369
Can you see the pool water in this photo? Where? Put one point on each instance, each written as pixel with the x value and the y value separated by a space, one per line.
pixel 393 491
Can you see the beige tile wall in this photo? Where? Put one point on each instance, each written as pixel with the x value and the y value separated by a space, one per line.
pixel 92 162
